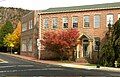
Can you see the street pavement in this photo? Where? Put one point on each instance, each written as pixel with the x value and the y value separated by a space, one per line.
pixel 22 66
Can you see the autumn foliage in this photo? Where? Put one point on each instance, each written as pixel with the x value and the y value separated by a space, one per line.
pixel 60 41
pixel 13 38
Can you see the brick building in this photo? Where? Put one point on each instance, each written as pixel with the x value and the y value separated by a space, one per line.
pixel 29 34
pixel 91 20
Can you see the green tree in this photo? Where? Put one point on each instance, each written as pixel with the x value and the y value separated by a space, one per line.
pixel 4 30
pixel 111 49
pixel 107 58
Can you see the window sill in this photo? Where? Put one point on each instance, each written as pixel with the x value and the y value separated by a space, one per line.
pixel 65 28
pixel 96 27
pixel 86 27
pixel 75 28
pixel 30 28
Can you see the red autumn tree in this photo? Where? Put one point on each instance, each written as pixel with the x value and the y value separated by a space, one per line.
pixel 61 41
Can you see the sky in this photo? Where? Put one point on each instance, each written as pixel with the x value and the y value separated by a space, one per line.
pixel 45 4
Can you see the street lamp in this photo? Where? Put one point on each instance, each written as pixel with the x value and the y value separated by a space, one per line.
pixel 108 34
pixel 109 26
pixel 98 47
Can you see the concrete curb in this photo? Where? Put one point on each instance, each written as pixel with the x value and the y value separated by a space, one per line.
pixel 107 69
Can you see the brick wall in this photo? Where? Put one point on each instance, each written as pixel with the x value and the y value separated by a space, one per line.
pixel 30 33
pixel 91 31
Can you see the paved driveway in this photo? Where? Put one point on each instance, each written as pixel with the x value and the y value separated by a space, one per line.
pixel 22 68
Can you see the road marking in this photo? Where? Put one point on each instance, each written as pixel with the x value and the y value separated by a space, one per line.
pixel 12 71
pixel 6 66
pixel 25 65
pixel 23 70
pixel 55 69
pixel 46 69
pixel 16 66
pixel 30 70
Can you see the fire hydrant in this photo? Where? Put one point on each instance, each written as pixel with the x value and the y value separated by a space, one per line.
pixel 116 64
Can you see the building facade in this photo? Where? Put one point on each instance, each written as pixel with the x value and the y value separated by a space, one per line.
pixel 91 21
pixel 29 34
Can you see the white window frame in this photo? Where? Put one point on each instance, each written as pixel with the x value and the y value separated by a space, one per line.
pixel 75 20
pixel 46 23
pixel 88 21
pixel 55 22
pixel 118 16
pixel 24 27
pixel 30 24
pixel 96 21
pixel 109 19
pixel 65 21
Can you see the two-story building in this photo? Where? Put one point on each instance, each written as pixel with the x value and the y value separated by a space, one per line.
pixel 29 34
pixel 91 21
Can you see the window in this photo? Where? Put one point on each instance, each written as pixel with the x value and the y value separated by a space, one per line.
pixel 30 24
pixel 95 40
pixel 96 21
pixel 30 45
pixel 86 21
pixel 118 16
pixel 24 26
pixel 55 22
pixel 110 19
pixel 23 47
pixel 45 21
pixel 65 22
pixel 75 22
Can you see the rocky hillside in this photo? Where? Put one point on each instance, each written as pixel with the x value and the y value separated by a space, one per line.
pixel 11 14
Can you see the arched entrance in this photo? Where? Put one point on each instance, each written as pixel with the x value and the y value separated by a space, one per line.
pixel 84 47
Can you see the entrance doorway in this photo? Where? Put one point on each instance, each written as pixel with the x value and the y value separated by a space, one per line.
pixel 85 44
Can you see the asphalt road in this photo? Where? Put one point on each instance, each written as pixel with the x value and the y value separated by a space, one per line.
pixel 17 67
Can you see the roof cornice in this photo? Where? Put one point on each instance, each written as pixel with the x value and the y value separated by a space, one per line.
pixel 106 6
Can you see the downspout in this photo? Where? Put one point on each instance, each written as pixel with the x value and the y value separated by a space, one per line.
pixel 39 36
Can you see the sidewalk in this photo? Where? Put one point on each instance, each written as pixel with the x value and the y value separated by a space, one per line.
pixel 72 65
